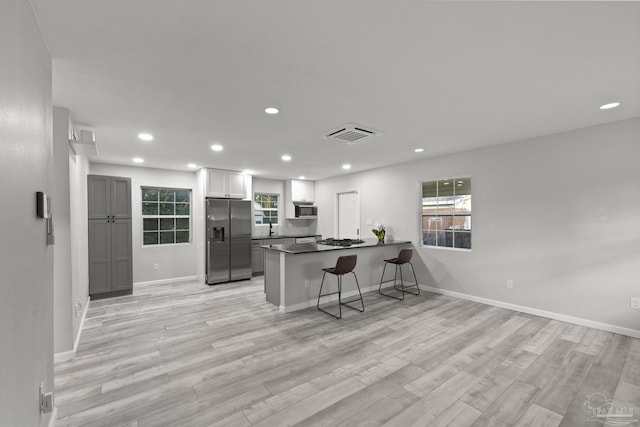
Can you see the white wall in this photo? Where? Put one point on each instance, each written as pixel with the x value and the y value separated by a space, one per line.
pixel 26 261
pixel 559 215
pixel 61 203
pixel 71 271
pixel 285 226
pixel 176 261
pixel 79 238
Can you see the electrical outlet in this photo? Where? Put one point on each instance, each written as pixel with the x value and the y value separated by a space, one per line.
pixel 509 284
pixel 635 303
pixel 156 266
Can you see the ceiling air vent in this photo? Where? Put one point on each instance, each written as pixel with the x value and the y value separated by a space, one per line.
pixel 352 134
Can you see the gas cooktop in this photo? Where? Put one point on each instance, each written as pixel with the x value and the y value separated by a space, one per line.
pixel 339 242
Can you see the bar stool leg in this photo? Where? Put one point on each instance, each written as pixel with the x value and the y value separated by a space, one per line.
pixel 395 285
pixel 320 295
pixel 359 293
pixel 340 296
pixel 416 281
pixel 382 277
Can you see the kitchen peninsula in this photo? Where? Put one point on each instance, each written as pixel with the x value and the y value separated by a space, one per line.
pixel 292 273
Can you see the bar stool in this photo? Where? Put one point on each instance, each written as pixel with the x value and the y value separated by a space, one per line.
pixel 344 265
pixel 404 257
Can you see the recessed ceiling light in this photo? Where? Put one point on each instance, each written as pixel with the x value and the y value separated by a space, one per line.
pixel 192 165
pixel 216 147
pixel 419 150
pixel 302 177
pixel 248 172
pixel 286 157
pixel 610 106
pixel 271 110
pixel 138 160
pixel 145 136
pixel 346 166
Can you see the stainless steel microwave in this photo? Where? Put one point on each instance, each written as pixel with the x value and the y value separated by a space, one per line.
pixel 306 211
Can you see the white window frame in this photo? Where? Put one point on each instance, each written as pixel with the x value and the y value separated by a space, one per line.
pixel 453 231
pixel 160 217
pixel 255 203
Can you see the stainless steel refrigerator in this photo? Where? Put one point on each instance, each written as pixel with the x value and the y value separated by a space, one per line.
pixel 228 240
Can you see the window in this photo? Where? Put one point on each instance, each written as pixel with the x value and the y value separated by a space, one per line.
pixel 166 216
pixel 446 213
pixel 265 208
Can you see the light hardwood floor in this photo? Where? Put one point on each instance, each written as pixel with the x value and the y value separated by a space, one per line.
pixel 193 355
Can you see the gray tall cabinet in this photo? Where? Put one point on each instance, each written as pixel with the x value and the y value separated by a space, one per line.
pixel 110 244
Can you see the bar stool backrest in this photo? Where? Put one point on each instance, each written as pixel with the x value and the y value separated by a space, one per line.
pixel 345 264
pixel 405 256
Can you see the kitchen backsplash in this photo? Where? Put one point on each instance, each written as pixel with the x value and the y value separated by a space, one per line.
pixel 294 227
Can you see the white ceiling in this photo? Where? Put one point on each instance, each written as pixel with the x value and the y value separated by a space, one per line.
pixel 444 76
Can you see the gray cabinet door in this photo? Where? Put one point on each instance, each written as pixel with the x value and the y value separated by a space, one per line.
pixel 109 197
pixel 99 192
pixel 257 259
pixel 99 256
pixel 121 265
pixel 120 197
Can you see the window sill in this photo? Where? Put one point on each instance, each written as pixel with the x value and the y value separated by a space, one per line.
pixel 445 248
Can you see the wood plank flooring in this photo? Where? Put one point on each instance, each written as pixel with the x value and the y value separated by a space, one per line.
pixel 186 354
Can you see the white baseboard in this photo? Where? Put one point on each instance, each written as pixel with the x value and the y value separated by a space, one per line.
pixel 529 310
pixel 537 312
pixel 54 417
pixel 173 280
pixel 68 355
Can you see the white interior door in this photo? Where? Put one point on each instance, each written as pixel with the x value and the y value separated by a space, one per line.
pixel 348 215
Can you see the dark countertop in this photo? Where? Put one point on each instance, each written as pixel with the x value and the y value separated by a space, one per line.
pixel 285 236
pixel 305 248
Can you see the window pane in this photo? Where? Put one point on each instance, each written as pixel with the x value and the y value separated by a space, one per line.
pixel 271 216
pixel 448 239
pixel 167 224
pixel 167 237
pixel 149 208
pixel 182 237
pixel 259 217
pixel 463 186
pixel 182 195
pixel 149 224
pixel 182 209
pixel 430 189
pixel 150 238
pixel 445 187
pixel 149 194
pixel 182 223
pixel 166 208
pixel 166 195
pixel 462 239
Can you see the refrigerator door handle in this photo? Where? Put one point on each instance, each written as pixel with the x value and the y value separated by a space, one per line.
pixel 208 255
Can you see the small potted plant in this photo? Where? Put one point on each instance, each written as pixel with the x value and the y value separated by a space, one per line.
pixel 379 232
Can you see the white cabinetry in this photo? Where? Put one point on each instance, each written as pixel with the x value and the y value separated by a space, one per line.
pixel 297 192
pixel 225 184
pixel 301 191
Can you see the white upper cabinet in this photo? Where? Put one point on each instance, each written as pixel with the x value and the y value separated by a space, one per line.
pixel 226 184
pixel 302 191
